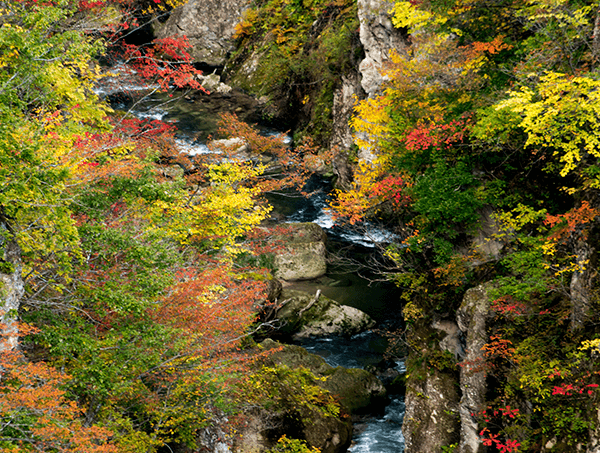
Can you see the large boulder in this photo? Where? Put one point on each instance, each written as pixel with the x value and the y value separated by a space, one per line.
pixel 302 253
pixel 209 26
pixel 306 315
pixel 358 390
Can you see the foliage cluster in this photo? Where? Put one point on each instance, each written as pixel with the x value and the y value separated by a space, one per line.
pixel 490 116
pixel 139 303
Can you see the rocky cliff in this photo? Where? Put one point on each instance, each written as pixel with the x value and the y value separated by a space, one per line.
pixel 209 26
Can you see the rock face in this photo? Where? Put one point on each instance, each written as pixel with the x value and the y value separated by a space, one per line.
pixel 581 282
pixel 306 317
pixel 378 37
pixel 302 255
pixel 342 140
pixel 431 418
pixel 472 319
pixel 438 411
pixel 11 289
pixel 209 26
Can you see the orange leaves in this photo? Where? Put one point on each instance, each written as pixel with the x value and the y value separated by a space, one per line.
pixel 371 189
pixel 499 348
pixel 212 307
pixel 476 54
pixel 35 414
pixel 568 222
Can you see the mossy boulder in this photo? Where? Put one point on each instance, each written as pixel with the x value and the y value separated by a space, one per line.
pixel 358 390
pixel 303 316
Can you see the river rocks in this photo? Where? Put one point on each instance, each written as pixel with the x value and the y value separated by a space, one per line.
pixel 212 83
pixel 302 255
pixel 209 26
pixel 305 315
pixel 233 145
pixel 359 391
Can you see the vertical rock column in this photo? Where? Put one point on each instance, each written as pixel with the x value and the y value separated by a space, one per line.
pixel 379 38
pixel 11 289
pixel 431 418
pixel 471 319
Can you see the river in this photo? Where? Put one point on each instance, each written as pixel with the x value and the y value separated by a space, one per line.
pixel 196 118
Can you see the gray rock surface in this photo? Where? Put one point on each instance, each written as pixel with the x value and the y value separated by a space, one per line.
pixel 431 417
pixel 344 99
pixel 472 319
pixel 304 317
pixel 303 254
pixel 379 38
pixel 209 26
pixel 11 289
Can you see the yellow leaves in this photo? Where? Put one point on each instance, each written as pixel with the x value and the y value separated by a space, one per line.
pixel 407 15
pixel 520 216
pixel 590 344
pixel 561 116
pixel 222 211
pixel 370 121
pixel 352 204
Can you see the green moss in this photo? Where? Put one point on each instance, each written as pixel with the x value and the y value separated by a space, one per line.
pixel 6 267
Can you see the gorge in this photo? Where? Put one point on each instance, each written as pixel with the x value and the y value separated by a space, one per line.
pixel 163 285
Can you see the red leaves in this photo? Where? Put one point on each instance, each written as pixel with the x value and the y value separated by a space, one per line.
pixel 437 136
pixel 165 62
pixel 489 439
pixel 393 188
pixel 509 307
pixel 570 389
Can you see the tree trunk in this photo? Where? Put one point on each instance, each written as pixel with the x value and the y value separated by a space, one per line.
pixel 580 285
pixel 596 39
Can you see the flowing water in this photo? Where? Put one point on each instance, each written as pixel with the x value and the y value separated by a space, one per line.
pixel 196 119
